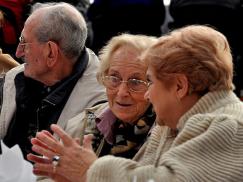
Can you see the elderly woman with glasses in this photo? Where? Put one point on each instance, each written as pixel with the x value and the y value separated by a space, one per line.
pixel 120 126
pixel 199 136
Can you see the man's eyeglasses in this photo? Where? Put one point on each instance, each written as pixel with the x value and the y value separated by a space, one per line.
pixel 134 85
pixel 22 43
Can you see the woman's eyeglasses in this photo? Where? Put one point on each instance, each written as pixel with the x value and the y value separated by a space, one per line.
pixel 134 85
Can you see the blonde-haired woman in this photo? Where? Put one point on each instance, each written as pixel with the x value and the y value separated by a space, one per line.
pixel 119 127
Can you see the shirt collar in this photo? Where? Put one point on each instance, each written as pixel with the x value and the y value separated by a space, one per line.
pixel 105 122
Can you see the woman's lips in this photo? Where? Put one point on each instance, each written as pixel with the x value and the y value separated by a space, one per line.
pixel 123 104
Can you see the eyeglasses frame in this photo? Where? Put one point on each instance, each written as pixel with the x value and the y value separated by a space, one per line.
pixel 147 84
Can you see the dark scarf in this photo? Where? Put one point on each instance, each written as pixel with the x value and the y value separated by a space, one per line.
pixel 127 138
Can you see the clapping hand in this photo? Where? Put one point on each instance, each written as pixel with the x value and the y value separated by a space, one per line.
pixel 64 160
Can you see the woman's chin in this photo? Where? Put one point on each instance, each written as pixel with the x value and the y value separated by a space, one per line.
pixel 125 117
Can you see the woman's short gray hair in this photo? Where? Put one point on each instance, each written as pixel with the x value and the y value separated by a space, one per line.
pixel 63 24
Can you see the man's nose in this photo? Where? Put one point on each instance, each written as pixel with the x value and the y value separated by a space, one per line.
pixel 19 51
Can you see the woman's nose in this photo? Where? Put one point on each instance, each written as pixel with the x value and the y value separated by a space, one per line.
pixel 123 89
pixel 19 51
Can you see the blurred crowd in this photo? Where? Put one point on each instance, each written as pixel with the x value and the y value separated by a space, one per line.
pixel 154 86
pixel 107 18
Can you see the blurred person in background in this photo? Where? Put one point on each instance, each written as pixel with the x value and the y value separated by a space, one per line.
pixel 223 15
pixel 113 17
pixel 12 17
pixel 6 64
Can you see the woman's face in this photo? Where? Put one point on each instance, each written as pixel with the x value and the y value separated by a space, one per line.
pixel 127 105
pixel 163 99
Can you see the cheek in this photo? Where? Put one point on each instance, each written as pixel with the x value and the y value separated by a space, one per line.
pixel 132 112
pixel 110 97
pixel 156 99
pixel 141 104
pixel 33 61
pixel 166 109
pixel 35 66
pixel 150 95
pixel 142 107
pixel 141 101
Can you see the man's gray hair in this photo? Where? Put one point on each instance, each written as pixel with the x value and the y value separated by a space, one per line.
pixel 63 24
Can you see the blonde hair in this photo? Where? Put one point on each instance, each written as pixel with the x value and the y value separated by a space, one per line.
pixel 198 51
pixel 139 42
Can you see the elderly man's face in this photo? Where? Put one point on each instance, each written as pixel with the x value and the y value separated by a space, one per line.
pixel 126 104
pixel 32 53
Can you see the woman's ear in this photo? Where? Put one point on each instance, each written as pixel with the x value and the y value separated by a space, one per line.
pixel 182 85
pixel 52 54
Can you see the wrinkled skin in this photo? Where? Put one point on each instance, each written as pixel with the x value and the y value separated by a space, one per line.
pixel 74 159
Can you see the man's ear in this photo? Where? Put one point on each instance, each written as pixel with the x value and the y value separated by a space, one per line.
pixel 52 53
pixel 182 86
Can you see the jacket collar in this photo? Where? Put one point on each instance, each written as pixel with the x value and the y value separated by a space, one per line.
pixel 63 88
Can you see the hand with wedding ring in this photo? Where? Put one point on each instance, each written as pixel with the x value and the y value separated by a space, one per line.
pixel 55 162
pixel 64 160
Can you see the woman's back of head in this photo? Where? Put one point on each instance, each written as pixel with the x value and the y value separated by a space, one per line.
pixel 200 52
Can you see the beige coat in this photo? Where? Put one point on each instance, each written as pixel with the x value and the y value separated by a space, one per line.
pixel 208 147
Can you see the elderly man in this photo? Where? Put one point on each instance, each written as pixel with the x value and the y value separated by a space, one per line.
pixel 58 79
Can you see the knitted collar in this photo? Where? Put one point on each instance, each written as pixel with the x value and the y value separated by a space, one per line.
pixel 208 103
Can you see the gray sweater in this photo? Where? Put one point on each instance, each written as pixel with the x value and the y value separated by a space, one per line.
pixel 208 147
